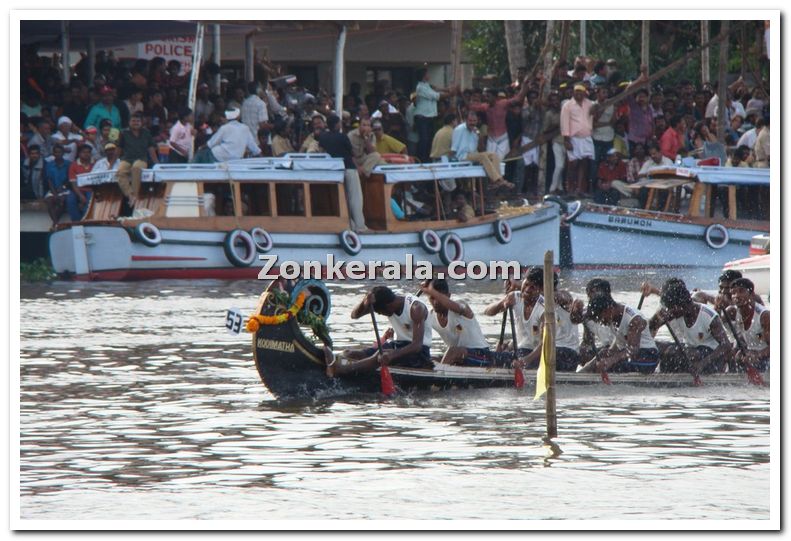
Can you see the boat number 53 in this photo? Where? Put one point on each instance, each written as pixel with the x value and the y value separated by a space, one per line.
pixel 233 321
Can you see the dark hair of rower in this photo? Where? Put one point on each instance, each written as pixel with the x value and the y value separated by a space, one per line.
pixel 598 286
pixel 382 297
pixel 535 275
pixel 597 305
pixel 743 283
pixel 730 276
pixel 675 293
pixel 441 285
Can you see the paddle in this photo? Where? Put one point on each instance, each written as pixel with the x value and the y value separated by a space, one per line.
pixel 502 329
pixel 603 372
pixel 696 378
pixel 388 387
pixel 640 304
pixel 519 377
pixel 753 376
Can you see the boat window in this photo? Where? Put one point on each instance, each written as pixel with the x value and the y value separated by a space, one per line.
pixel 255 199
pixel 217 199
pixel 290 199
pixel 324 200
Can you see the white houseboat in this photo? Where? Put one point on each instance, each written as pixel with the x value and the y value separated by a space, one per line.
pixel 213 221
pixel 605 236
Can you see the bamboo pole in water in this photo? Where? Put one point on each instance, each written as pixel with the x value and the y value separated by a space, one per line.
pixel 549 352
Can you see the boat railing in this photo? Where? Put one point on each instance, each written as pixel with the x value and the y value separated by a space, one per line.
pixel 395 173
pixel 109 177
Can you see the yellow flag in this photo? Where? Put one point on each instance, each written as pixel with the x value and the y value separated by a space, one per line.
pixel 541 374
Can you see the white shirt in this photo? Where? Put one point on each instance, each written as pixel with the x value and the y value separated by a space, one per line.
pixel 378 113
pixel 700 332
pixel 402 324
pixel 460 331
pixel 622 331
pixel 231 140
pixel 748 138
pixel 650 165
pixel 181 135
pixel 69 144
pixel 464 141
pixel 254 112
pixel 104 165
pixel 753 337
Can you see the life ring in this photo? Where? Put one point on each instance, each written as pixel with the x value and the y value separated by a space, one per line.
pixel 719 228
pixel 564 207
pixel 397 158
pixel 451 243
pixel 573 210
pixel 148 234
pixel 430 241
pixel 239 248
pixel 502 231
pixel 350 242
pixel 261 239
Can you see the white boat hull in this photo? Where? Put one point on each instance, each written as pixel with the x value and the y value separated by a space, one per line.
pixel 755 269
pixel 612 238
pixel 111 252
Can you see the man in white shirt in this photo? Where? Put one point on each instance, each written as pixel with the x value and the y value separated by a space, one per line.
pixel 656 161
pixel 233 139
pixel 110 162
pixel 254 111
pixel 464 146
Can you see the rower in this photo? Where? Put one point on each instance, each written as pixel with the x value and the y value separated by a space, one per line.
pixel 408 317
pixel 721 301
pixel 633 348
pixel 528 307
pixel 566 333
pixel 592 331
pixel 455 323
pixel 751 323
pixel 699 327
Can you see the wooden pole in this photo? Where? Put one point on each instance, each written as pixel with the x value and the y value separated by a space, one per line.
pixel 249 57
pixel 515 44
pixel 64 52
pixel 583 38
pixel 549 356
pixel 722 83
pixel 455 52
pixel 565 27
pixel 644 44
pixel 546 66
pixel 705 65
pixel 340 51
pixel 216 56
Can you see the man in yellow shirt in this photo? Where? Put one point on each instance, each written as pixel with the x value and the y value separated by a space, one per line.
pixel 443 138
pixel 386 144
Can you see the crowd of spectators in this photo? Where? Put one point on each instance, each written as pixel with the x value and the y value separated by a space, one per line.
pixel 131 116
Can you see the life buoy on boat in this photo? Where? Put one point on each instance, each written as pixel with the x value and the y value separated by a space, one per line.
pixel 430 241
pixel 350 242
pixel 502 231
pixel 148 234
pixel 261 239
pixel 452 248
pixel 239 248
pixel 718 230
pixel 573 210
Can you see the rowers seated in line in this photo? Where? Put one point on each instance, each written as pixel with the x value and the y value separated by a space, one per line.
pixel 633 348
pixel 592 331
pixel 721 301
pixel 699 327
pixel 528 307
pixel 408 317
pixel 751 323
pixel 455 323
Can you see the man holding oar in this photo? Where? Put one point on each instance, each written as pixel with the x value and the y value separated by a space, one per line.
pixel 633 348
pixel 408 317
pixel 706 347
pixel 455 323
pixel 750 324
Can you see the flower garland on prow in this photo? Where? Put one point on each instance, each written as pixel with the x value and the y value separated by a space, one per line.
pixel 255 321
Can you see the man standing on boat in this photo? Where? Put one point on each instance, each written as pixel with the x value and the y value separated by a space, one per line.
pixel 706 347
pixel 576 127
pixel 633 348
pixel 496 109
pixel 455 323
pixel 137 151
pixel 751 323
pixel 336 143
pixel 408 317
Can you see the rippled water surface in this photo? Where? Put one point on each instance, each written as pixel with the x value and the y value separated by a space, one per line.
pixel 136 404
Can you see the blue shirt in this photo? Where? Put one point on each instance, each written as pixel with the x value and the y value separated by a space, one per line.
pixel 99 112
pixel 426 100
pixel 397 212
pixel 58 174
pixel 463 141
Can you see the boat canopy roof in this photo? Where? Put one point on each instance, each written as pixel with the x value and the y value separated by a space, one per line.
pixel 730 176
pixel 315 168
pixel 394 174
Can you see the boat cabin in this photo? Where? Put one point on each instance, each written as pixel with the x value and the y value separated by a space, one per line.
pixel 298 192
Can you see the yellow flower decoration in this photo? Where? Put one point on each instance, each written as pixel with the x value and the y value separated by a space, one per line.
pixel 255 321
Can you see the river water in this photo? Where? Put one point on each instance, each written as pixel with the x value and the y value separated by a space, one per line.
pixel 136 404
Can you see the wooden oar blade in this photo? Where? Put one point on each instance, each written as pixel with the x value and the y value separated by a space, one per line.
pixel 754 376
pixel 519 378
pixel 605 378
